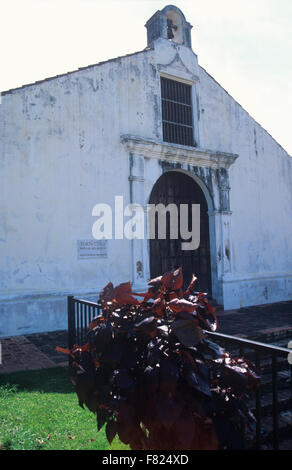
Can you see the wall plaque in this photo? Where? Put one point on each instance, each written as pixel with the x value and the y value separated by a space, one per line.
pixel 88 249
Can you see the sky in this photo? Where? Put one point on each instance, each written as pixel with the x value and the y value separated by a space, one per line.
pixel 245 45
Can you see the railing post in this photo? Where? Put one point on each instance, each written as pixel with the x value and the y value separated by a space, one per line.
pixel 275 403
pixel 71 321
pixel 258 404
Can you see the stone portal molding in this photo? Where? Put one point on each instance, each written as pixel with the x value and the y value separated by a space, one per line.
pixel 210 169
pixel 177 153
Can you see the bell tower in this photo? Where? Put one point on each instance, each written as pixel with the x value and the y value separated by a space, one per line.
pixel 169 23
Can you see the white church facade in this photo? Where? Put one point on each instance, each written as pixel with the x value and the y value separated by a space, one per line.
pixel 152 126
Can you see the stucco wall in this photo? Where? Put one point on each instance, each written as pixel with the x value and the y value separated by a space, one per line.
pixel 60 155
pixel 260 199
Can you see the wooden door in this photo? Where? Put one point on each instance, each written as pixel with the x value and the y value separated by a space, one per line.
pixel 165 255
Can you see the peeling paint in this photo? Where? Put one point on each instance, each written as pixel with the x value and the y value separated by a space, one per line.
pixel 255 142
pixel 168 166
pixel 227 252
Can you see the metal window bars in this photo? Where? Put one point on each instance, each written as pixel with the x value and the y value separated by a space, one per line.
pixel 177 113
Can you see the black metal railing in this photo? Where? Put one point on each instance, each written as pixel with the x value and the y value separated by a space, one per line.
pixel 263 355
pixel 80 314
pixel 266 357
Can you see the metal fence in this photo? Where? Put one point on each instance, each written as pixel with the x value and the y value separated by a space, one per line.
pixel 269 359
pixel 80 314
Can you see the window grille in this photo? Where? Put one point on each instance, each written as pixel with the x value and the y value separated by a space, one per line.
pixel 177 115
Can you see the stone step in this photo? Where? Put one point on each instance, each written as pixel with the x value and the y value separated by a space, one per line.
pixel 274 334
pixel 284 431
pixel 279 338
pixel 283 381
pixel 285 443
pixel 279 307
pixel 284 402
pixel 266 365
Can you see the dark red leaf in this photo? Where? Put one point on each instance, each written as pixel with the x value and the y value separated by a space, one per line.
pixel 168 410
pixel 107 293
pixel 156 282
pixel 111 430
pixel 184 428
pixel 181 305
pixel 191 286
pixel 122 298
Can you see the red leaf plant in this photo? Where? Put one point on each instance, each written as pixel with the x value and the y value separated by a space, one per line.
pixel 153 377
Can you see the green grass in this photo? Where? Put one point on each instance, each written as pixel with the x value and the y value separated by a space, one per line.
pixel 39 410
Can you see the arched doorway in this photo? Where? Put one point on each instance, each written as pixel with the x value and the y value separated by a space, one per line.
pixel 165 255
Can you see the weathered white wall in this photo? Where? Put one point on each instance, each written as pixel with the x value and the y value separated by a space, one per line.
pixel 61 153
pixel 260 199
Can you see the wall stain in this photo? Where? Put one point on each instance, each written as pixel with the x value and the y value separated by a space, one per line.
pixel 255 141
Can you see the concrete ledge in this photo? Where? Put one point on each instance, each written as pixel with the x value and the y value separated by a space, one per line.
pixel 36 314
pixel 252 290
